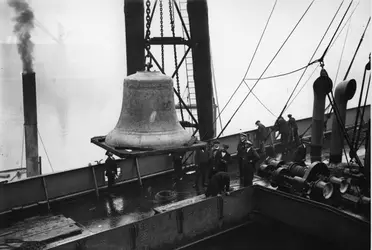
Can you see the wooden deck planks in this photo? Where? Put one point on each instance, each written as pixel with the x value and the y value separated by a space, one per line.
pixel 41 228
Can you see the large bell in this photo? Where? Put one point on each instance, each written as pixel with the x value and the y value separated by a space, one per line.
pixel 148 116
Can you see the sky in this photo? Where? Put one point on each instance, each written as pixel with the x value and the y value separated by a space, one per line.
pixel 79 59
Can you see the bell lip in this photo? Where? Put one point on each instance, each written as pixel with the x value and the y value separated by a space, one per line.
pixel 148 141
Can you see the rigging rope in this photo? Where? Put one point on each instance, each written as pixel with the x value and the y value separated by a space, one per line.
pixel 364 108
pixel 353 142
pixel 216 94
pixel 330 42
pixel 347 21
pixel 254 54
pixel 342 53
pixel 279 75
pixel 258 99
pixel 360 42
pixel 321 60
pixel 46 153
pixel 246 72
pixel 308 79
pixel 267 66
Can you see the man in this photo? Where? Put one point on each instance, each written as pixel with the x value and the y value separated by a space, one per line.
pixel 201 160
pixel 300 153
pixel 261 135
pixel 240 154
pixel 294 129
pixel 214 159
pixel 111 169
pixel 224 158
pixel 220 182
pixel 281 125
pixel 250 159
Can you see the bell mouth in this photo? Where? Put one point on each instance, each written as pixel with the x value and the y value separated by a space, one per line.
pixel 342 184
pixel 328 191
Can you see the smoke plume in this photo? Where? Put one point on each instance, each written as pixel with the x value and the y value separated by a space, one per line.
pixel 24 23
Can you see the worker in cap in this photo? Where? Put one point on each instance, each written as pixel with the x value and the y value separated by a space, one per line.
pixel 219 183
pixel 111 169
pixel 294 138
pixel 202 161
pixel 240 153
pixel 224 158
pixel 250 159
pixel 261 135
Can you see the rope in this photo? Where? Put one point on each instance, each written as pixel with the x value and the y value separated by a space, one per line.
pixel 330 42
pixel 348 20
pixel 258 99
pixel 215 90
pixel 254 54
pixel 342 53
pixel 279 75
pixel 267 66
pixel 356 51
pixel 41 139
pixel 353 142
pixel 320 60
pixel 303 85
pixel 364 108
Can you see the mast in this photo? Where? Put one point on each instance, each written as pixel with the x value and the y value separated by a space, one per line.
pixel 201 56
pixel 30 125
pixel 134 33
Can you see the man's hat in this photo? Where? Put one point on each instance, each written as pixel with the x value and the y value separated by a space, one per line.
pixel 242 134
pixel 258 121
pixel 289 115
pixel 108 153
pixel 216 142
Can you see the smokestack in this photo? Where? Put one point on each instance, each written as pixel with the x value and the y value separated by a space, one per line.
pixel 30 116
pixel 343 93
pixel 322 86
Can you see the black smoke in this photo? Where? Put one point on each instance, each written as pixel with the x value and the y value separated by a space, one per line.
pixel 24 23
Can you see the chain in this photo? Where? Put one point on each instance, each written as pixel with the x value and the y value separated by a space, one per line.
pixel 162 34
pixel 175 56
pixel 148 32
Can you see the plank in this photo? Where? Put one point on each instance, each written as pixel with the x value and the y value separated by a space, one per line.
pixel 32 222
pixel 40 228
pixel 175 205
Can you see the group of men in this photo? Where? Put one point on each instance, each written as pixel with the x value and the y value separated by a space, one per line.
pixel 212 162
pixel 288 131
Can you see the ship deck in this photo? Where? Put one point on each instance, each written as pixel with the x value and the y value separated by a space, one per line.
pixel 130 202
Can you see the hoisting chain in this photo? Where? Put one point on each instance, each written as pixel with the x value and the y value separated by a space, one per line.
pixel 162 34
pixel 175 57
pixel 147 38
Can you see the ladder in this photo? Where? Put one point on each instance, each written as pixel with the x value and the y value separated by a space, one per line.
pixel 190 84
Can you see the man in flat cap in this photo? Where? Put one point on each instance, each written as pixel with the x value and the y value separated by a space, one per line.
pixel 250 159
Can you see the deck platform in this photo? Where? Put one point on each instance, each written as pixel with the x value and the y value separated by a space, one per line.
pixel 39 229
